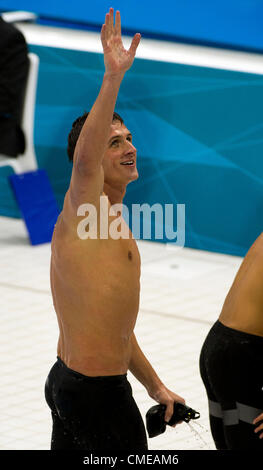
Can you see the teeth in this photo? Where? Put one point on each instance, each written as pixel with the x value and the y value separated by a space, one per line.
pixel 128 163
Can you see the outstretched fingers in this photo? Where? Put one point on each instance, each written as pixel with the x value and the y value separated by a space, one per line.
pixel 108 26
pixel 108 29
pixel 103 36
pixel 135 43
pixel 118 23
pixel 111 36
pixel 111 22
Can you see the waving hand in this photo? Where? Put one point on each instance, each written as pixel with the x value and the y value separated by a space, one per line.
pixel 117 59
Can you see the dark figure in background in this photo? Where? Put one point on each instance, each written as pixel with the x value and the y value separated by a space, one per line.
pixel 14 65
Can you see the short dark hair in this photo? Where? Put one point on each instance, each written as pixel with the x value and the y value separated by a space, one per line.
pixel 76 129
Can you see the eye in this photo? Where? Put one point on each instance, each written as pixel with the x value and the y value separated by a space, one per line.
pixel 129 138
pixel 114 143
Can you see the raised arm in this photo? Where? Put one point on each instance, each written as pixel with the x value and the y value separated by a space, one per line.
pixel 87 177
pixel 94 135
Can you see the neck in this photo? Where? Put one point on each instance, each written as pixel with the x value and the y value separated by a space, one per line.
pixel 115 193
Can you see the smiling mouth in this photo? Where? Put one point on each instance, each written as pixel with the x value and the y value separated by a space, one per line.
pixel 128 163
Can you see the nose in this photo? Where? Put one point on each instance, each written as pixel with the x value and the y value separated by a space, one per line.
pixel 130 148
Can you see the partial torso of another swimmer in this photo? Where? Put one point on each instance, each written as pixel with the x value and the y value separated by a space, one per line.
pixel 243 307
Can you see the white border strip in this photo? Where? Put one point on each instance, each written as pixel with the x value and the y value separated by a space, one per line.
pixel 149 49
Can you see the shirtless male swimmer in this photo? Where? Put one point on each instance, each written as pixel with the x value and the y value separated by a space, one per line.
pixel 231 360
pixel 95 284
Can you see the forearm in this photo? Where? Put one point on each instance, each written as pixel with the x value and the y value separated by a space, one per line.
pixel 94 135
pixel 143 371
pixel 141 368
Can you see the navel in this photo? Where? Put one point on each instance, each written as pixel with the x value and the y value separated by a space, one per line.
pixel 130 255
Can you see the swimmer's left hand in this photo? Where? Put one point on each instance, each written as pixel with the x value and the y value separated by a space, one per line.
pixel 166 397
pixel 260 427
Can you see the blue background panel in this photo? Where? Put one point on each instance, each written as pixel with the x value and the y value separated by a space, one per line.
pixel 232 23
pixel 37 204
pixel 198 133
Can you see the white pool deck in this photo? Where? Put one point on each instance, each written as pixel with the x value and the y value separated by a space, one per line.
pixel 182 292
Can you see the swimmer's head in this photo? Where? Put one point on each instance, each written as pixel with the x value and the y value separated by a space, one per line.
pixel 76 130
pixel 120 157
pixel 119 161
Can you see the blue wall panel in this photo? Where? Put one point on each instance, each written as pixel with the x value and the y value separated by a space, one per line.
pixel 198 132
pixel 233 23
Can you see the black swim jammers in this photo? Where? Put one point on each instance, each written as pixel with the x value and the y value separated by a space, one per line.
pixel 231 367
pixel 93 413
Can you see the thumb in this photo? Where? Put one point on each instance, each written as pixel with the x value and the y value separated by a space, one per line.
pixel 169 412
pixel 135 43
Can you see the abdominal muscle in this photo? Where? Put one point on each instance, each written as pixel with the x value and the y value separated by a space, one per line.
pixel 94 356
